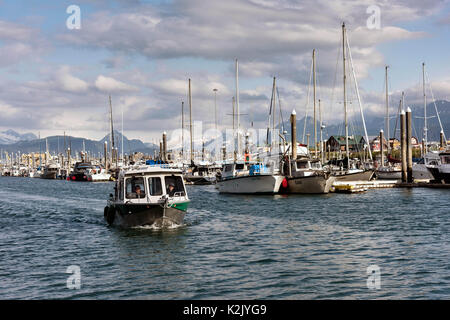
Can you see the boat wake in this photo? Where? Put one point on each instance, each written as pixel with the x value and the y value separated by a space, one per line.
pixel 158 227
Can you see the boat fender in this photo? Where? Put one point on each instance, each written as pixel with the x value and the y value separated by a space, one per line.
pixel 284 183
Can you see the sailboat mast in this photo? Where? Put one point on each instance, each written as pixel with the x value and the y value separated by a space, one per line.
pixel 182 130
pixel 111 137
pixel 425 129
pixel 272 135
pixel 345 97
pixel 237 110
pixel 387 111
pixel 190 122
pixel 314 97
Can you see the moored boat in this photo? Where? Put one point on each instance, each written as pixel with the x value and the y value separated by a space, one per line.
pixel 308 176
pixel 441 172
pixel 249 178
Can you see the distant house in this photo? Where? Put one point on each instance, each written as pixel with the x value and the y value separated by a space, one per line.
pixel 375 144
pixel 395 143
pixel 337 143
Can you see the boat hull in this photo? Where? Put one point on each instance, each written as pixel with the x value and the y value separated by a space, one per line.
pixel 358 176
pixel 389 175
pixel 141 215
pixel 256 184
pixel 48 175
pixel 102 177
pixel 421 172
pixel 78 177
pixel 315 184
pixel 441 174
pixel 198 180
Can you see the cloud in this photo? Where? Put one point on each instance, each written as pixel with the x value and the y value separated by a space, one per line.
pixel 68 82
pixel 108 84
pixel 18 43
pixel 198 39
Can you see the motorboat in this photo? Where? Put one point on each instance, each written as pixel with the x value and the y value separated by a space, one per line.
pixel 308 176
pixel 148 196
pixel 250 178
pixel 441 172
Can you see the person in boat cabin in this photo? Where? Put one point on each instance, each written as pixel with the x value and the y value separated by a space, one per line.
pixel 171 189
pixel 139 192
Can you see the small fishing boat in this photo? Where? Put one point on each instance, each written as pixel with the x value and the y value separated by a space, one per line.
pixel 441 172
pixel 50 171
pixel 153 196
pixel 308 176
pixel 423 169
pixel 98 174
pixel 249 178
pixel 201 174
pixel 80 171
pixel 389 173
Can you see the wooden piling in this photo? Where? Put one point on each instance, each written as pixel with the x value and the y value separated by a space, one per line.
pixel 164 145
pixel 408 144
pixel 382 147
pixel 403 145
pixel 294 135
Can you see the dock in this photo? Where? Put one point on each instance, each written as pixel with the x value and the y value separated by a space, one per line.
pixel 361 186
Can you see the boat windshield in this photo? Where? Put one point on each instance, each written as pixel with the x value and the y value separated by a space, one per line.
pixel 154 184
pixel 178 187
pixel 135 188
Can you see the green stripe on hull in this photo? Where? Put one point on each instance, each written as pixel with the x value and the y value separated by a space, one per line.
pixel 182 206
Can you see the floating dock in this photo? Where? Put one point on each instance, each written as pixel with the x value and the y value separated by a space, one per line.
pixel 361 186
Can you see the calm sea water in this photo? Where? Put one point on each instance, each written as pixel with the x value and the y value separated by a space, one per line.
pixel 232 247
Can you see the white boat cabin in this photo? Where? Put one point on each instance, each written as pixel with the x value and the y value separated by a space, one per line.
pixel 150 184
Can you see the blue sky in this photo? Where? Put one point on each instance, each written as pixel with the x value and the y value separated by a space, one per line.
pixel 143 52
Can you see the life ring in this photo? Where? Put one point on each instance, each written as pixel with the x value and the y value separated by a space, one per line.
pixel 109 215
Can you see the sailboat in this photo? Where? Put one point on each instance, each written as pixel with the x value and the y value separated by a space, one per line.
pixel 351 170
pixel 249 177
pixel 389 171
pixel 430 167
pixel 305 174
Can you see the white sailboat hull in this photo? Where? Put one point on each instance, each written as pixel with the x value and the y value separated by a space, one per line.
pixel 251 184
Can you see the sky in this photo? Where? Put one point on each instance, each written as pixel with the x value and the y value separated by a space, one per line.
pixel 55 79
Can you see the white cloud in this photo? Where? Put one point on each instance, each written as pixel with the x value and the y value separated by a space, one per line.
pixel 108 84
pixel 68 82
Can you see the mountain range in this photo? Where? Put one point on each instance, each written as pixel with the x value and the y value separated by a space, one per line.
pixel 12 141
pixel 56 145
pixel 375 124
pixel 11 136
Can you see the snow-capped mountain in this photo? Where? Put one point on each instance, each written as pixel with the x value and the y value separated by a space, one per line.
pixel 11 136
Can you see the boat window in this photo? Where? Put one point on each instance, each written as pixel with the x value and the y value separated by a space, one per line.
pixel 135 188
pixel 177 182
pixel 228 167
pixel 445 160
pixel 155 187
pixel 239 166
pixel 302 165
